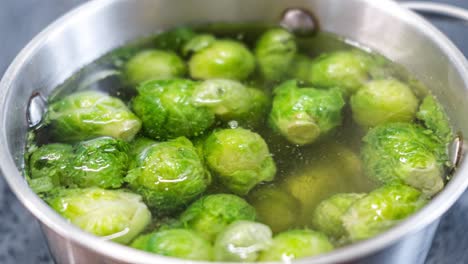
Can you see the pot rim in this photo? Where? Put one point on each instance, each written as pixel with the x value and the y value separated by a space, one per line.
pixel 48 217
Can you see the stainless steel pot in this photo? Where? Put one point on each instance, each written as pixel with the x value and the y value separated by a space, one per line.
pixel 97 27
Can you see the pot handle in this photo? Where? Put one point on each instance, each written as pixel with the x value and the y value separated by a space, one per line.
pixel 438 9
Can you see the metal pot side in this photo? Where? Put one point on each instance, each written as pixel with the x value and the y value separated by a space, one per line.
pixel 97 27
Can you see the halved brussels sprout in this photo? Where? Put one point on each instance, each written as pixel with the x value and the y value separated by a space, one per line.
pixel 211 214
pixel 302 115
pixel 383 101
pixel 223 59
pixel 404 152
pixel 113 215
pixel 242 241
pixel 178 243
pixel 380 210
pixel 154 65
pixel 275 51
pixel 168 175
pixel 167 109
pixel 296 244
pixel 239 158
pixel 90 114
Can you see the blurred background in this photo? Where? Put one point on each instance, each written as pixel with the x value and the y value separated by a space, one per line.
pixel 21 240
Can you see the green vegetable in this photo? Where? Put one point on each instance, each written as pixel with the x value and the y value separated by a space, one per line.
pixel 296 244
pixel 239 158
pixel 242 241
pixel 223 59
pixel 302 115
pixel 167 110
pixel 154 65
pixel 275 51
pixel 168 175
pixel 300 68
pixel 348 70
pixel 179 243
pixel 138 145
pixel 198 43
pixel 231 100
pixel 327 215
pixel 89 114
pixel 407 153
pixel 114 215
pixel 380 210
pixel 383 101
pixel 275 207
pixel 211 214
pixel 174 39
pixel 100 162
pixel 48 166
pixel 434 117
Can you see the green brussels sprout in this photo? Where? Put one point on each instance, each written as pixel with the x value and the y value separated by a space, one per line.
pixel 179 243
pixel 167 110
pixel 138 145
pixel 275 207
pixel 275 51
pixel 90 114
pixel 327 215
pixel 223 59
pixel 174 39
pixel 404 152
pixel 211 214
pixel 168 175
pixel 300 68
pixel 295 244
pixel 348 70
pixel 112 214
pixel 302 115
pixel 383 101
pixel 198 43
pixel 380 210
pixel 100 162
pixel 434 117
pixel 230 100
pixel 242 241
pixel 154 65
pixel 239 158
pixel 48 166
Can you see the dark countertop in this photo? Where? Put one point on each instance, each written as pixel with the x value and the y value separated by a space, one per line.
pixel 21 240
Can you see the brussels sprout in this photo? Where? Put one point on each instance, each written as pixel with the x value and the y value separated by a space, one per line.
pixel 114 215
pixel 300 68
pixel 231 100
pixel 383 101
pixel 48 166
pixel 239 158
pixel 211 214
pixel 174 39
pixel 327 215
pixel 275 51
pixel 404 152
pixel 242 241
pixel 435 118
pixel 100 162
pixel 198 43
pixel 275 207
pixel 138 145
pixel 301 115
pixel 154 65
pixel 167 110
pixel 296 244
pixel 380 210
pixel 168 175
pixel 86 115
pixel 223 59
pixel 345 69
pixel 179 243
